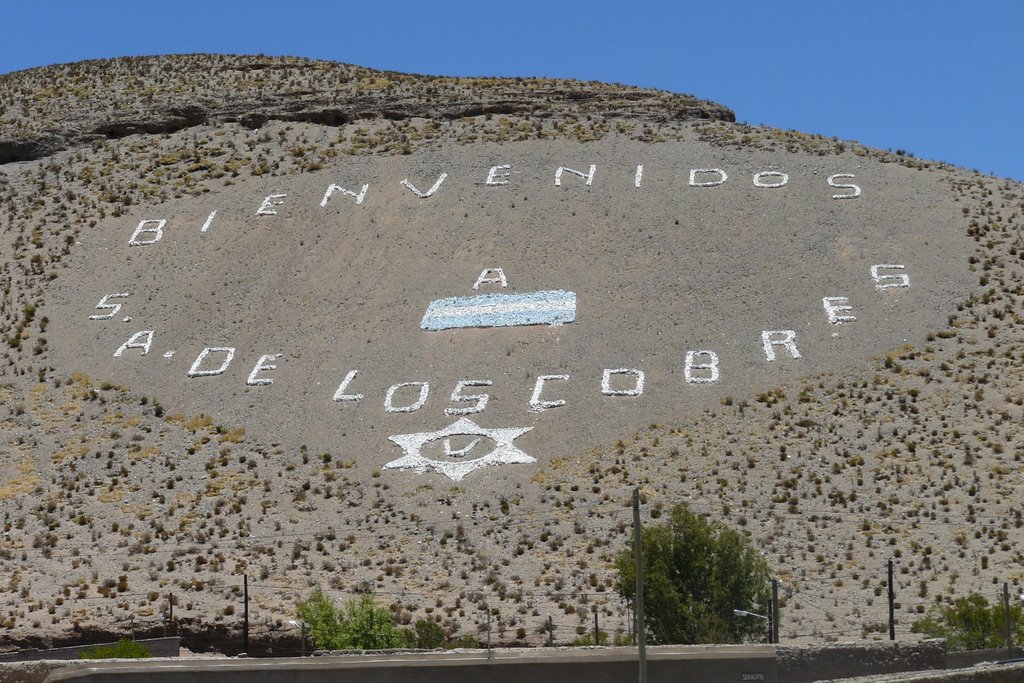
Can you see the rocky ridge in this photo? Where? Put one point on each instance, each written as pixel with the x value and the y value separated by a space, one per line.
pixel 60 107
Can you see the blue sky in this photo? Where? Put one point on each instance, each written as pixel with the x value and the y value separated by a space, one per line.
pixel 942 80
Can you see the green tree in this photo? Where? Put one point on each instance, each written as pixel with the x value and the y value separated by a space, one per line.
pixel 358 625
pixel 696 573
pixel 125 649
pixel 429 634
pixel 971 623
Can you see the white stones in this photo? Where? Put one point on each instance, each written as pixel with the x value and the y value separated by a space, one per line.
pixel 639 175
pixel 140 340
pixel 229 354
pixel 638 382
pixel 783 179
pixel 340 394
pixel 433 188
pixel 784 338
pixel 208 223
pixel 268 204
pixel 491 276
pixel 143 228
pixel 263 364
pixel 539 405
pixel 113 308
pixel 708 183
pixel 493 175
pixel 331 189
pixel 503 453
pixel 588 176
pixel 844 186
pixel 389 405
pixel 710 366
pixel 459 397
pixel 834 306
pixel 889 280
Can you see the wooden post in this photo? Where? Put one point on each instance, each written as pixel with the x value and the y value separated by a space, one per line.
pixel 892 605
pixel 775 611
pixel 1009 630
pixel 641 636
pixel 245 614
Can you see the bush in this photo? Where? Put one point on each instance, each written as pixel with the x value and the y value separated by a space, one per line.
pixel 359 625
pixel 588 639
pixel 696 573
pixel 971 624
pixel 125 649
pixel 429 635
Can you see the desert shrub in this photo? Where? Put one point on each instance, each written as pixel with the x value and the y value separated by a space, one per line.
pixel 358 625
pixel 125 649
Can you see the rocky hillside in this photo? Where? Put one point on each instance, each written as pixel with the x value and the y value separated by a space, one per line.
pixel 251 307
pixel 60 107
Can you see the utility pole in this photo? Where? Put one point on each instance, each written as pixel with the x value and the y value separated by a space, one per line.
pixel 488 632
pixel 1006 609
pixel 245 614
pixel 596 631
pixel 641 639
pixel 771 621
pixel 892 605
pixel 551 633
pixel 170 612
pixel 775 611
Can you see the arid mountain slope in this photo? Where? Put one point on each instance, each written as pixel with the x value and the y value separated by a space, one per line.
pixel 251 307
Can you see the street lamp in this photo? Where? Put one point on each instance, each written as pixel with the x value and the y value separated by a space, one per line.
pixel 745 613
pixel 300 624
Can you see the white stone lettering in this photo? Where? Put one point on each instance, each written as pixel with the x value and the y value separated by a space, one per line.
pixel 459 397
pixel 493 175
pixel 269 202
pixel 589 176
pixel 785 338
pixel 486 278
pixel 759 182
pixel 157 232
pixel 639 175
pixel 389 406
pixel 834 305
pixel 710 183
pixel 229 354
pixel 638 382
pixel 103 305
pixel 134 343
pixel 208 223
pixel 844 186
pixel 538 405
pixel 711 366
pixel 266 362
pixel 340 394
pixel 432 190
pixel 331 189
pixel 889 280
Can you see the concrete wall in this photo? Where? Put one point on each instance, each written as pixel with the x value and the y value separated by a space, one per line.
pixel 665 665
pixel 592 665
pixel 959 660
pixel 982 674
pixel 158 647
pixel 824 662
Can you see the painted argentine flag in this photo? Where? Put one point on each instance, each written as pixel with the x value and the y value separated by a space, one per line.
pixel 501 310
